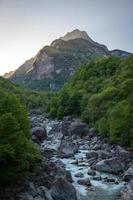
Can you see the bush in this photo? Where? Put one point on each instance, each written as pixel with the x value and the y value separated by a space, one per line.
pixel 17 152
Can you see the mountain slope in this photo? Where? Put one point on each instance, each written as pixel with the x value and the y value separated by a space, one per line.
pixel 52 66
pixel 101 93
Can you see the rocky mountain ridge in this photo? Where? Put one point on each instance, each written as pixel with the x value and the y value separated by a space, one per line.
pixel 53 65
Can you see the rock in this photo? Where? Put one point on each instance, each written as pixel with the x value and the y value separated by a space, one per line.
pixel 110 180
pixel 127 192
pixel 40 193
pixel 92 154
pixel 26 196
pixel 69 176
pixel 78 128
pixel 112 165
pixel 92 132
pixel 79 174
pixel 96 147
pixel 97 178
pixel 49 153
pixel 125 155
pixel 85 182
pixel 128 175
pixel 38 134
pixel 92 162
pixel 68 147
pixel 91 172
pixel 75 162
pixel 44 193
pixel 63 190
pixel 104 154
pixel 65 126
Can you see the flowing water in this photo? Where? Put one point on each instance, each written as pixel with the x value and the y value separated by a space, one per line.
pixel 99 190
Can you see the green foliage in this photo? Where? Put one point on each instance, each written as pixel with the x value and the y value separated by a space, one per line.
pixel 101 92
pixel 17 152
pixel 120 122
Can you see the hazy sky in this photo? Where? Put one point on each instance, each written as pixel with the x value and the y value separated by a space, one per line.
pixel 28 25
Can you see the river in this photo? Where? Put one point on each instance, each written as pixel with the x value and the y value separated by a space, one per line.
pixel 100 190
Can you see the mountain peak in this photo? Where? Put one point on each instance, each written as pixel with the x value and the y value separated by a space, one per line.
pixel 75 34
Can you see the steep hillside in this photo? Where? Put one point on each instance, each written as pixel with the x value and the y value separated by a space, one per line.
pixel 101 93
pixel 52 66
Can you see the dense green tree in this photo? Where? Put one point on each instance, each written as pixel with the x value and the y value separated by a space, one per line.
pixel 101 92
pixel 17 152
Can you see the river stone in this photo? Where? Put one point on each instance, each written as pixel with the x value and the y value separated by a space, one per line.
pixel 39 134
pixel 69 176
pixel 75 162
pixel 63 190
pixel 110 180
pixel 128 175
pixel 79 174
pixel 85 182
pixel 92 154
pixel 97 178
pixel 112 165
pixel 91 172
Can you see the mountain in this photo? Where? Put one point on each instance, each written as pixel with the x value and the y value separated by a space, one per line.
pixel 76 34
pixel 53 64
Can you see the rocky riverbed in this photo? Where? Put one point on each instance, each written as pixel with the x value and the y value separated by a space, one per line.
pixel 77 164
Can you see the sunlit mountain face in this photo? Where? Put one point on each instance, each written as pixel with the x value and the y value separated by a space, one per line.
pixel 54 64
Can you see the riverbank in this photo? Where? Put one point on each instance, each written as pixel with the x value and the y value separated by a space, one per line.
pixel 77 164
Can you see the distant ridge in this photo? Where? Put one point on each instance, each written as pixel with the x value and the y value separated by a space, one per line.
pixel 53 64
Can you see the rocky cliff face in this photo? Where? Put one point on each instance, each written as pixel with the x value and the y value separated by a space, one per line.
pixel 52 66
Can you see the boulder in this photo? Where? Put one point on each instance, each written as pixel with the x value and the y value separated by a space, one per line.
pixel 128 175
pixel 97 178
pixel 39 134
pixel 63 190
pixel 92 154
pixel 112 165
pixel 69 176
pixel 127 192
pixel 79 174
pixel 68 147
pixel 40 193
pixel 75 162
pixel 124 155
pixel 103 154
pixel 110 180
pixel 91 172
pixel 85 182
pixel 78 128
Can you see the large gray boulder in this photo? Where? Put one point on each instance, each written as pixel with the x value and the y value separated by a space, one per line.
pixel 39 134
pixel 112 165
pixel 68 147
pixel 63 190
pixel 128 175
pixel 78 128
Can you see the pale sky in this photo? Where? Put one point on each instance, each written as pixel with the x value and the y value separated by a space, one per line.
pixel 28 25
